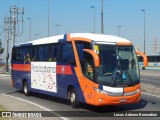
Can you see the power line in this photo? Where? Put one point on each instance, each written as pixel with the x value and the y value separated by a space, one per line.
pixel 12 27
pixel 15 12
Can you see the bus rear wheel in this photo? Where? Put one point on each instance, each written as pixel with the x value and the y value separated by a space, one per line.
pixel 73 98
pixel 25 88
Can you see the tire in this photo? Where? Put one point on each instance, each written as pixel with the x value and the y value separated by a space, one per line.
pixel 25 88
pixel 73 98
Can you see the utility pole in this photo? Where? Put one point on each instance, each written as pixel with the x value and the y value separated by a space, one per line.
pixel 48 18
pixel 30 34
pixel 94 19
pixel 102 28
pixel 144 32
pixel 119 29
pixel 6 21
pixel 58 25
pixel 11 29
pixel 14 19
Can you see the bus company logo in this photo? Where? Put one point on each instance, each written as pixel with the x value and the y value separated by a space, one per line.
pixel 62 69
pixel 43 69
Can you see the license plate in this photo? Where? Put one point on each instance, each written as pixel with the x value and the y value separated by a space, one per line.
pixel 122 100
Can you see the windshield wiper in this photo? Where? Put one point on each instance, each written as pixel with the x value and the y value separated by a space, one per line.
pixel 105 74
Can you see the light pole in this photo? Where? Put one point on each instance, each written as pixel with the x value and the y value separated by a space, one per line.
pixel 48 18
pixel 57 25
pixel 29 28
pixel 94 18
pixel 102 29
pixel 119 27
pixel 144 31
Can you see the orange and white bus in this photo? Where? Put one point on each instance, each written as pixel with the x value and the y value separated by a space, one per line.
pixel 95 69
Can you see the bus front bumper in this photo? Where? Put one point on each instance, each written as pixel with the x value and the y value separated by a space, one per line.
pixel 101 99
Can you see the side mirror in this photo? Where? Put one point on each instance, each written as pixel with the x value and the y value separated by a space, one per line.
pixel 94 55
pixel 145 59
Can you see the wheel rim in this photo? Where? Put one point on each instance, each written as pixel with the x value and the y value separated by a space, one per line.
pixel 25 89
pixel 73 97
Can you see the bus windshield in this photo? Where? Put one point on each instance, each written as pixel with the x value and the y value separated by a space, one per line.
pixel 118 66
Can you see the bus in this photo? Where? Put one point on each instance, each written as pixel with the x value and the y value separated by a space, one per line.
pixel 89 68
pixel 153 61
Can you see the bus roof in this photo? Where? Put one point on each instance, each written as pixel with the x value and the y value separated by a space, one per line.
pixel 99 37
pixel 89 36
pixel 47 40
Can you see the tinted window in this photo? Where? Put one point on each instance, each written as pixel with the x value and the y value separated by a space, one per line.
pixel 52 52
pixel 34 53
pixel 80 46
pixel 67 54
pixel 16 54
pixel 46 58
pixel 41 53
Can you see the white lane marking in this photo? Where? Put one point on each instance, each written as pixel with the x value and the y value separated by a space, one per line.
pixel 150 94
pixel 44 108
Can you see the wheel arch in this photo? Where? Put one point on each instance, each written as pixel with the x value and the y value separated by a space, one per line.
pixel 70 87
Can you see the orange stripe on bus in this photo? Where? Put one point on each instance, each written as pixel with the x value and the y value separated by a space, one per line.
pixel 123 43
pixel 21 67
pixel 77 38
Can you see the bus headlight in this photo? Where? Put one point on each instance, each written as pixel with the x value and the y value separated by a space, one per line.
pixel 101 91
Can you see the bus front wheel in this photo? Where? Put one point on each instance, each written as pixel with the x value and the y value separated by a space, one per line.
pixel 73 98
pixel 25 88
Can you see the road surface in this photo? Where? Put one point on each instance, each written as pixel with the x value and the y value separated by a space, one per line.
pixel 147 103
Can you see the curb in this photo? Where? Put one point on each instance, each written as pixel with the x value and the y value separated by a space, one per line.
pixel 5 75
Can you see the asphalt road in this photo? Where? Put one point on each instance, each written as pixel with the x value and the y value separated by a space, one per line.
pixel 151 80
pixel 147 103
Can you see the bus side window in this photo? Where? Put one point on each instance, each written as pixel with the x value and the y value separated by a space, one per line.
pixel 17 50
pixel 59 52
pixel 34 53
pixel 67 53
pixel 21 54
pixel 46 52
pixel 27 57
pixel 16 54
pixel 54 49
pixel 52 53
pixel 88 65
pixel 25 54
pixel 41 53
pixel 80 46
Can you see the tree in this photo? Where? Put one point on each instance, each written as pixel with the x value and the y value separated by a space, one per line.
pixel 1 49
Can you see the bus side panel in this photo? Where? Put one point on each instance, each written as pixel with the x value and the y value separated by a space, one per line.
pixel 66 77
pixel 20 72
pixel 17 78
